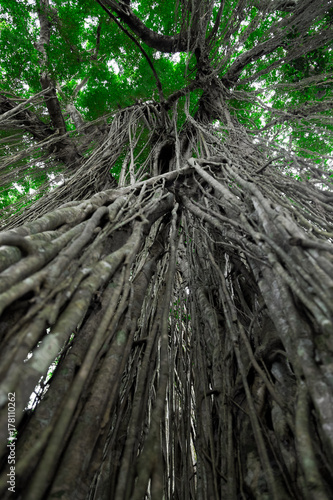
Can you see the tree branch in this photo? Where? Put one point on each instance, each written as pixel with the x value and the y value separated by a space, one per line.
pixel 158 81
pixel 21 118
pixel 163 43
pixel 51 99
pixel 66 149
pixel 300 21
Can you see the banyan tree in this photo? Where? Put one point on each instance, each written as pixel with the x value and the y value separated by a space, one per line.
pixel 166 271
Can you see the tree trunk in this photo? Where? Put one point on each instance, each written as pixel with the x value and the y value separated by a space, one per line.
pixel 166 325
pixel 187 323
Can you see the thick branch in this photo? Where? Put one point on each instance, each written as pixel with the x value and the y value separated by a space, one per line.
pixel 51 99
pixel 67 149
pixel 158 81
pixel 12 116
pixel 300 21
pixel 163 43
pixel 26 120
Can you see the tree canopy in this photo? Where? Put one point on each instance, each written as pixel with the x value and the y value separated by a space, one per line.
pixel 272 59
pixel 166 273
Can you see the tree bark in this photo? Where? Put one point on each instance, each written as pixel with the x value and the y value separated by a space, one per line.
pixel 171 337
